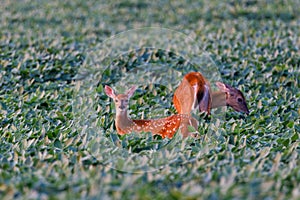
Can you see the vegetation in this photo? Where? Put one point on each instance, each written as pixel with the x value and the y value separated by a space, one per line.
pixel 57 137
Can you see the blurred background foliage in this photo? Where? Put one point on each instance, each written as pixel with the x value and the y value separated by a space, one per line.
pixel 255 45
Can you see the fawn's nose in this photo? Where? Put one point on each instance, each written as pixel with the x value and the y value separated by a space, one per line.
pixel 122 106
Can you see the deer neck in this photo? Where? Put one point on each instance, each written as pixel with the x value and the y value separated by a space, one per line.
pixel 122 120
pixel 218 99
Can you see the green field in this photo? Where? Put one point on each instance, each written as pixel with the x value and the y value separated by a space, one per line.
pixel 50 150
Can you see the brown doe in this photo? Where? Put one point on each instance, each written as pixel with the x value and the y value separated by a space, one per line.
pixel 194 91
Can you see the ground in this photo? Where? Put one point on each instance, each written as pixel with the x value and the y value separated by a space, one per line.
pixel 46 152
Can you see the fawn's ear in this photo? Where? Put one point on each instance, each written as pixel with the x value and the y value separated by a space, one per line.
pixel 131 91
pixel 223 87
pixel 109 92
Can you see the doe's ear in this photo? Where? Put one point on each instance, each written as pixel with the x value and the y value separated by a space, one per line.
pixel 131 91
pixel 109 91
pixel 223 87
pixel 205 102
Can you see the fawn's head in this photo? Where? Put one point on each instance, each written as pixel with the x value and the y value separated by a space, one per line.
pixel 121 100
pixel 234 97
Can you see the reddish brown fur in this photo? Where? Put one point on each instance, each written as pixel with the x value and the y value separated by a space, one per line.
pixel 195 78
pixel 183 99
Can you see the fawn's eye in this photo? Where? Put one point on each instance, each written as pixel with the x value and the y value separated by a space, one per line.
pixel 240 100
pixel 116 100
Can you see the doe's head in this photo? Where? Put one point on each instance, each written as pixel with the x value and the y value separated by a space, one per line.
pixel 234 97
